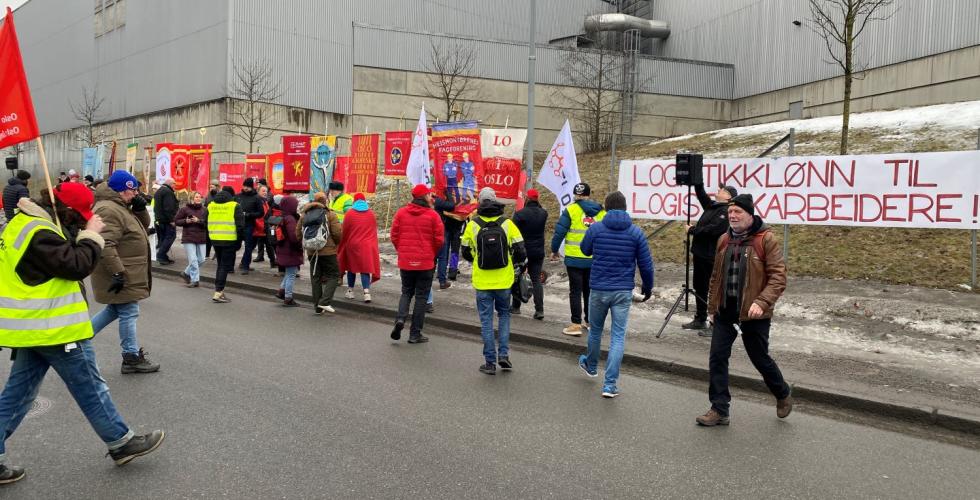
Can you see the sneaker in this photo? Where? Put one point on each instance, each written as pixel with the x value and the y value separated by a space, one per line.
pixel 417 339
pixel 610 392
pixel 784 406
pixel 349 295
pixel 165 262
pixel 137 363
pixel 539 315
pixel 396 332
pixel 445 285
pixel 453 273
pixel 505 364
pixel 695 325
pixel 704 333
pixel 488 368
pixel 585 367
pixel 193 284
pixel 585 327
pixel 260 259
pixel 220 298
pixel 367 296
pixel 290 303
pixel 429 308
pixel 137 447
pixel 327 308
pixel 243 272
pixel 573 330
pixel 281 294
pixel 11 474
pixel 712 418
pixel 186 277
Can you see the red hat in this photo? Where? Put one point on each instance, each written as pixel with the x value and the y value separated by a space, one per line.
pixel 359 197
pixel 532 194
pixel 76 196
pixel 420 190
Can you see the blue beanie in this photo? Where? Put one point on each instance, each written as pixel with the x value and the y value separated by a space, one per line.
pixel 121 180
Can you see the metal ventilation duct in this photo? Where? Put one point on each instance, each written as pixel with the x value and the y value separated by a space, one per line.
pixel 621 22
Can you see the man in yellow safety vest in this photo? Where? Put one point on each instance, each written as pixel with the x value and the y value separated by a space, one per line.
pixel 44 319
pixel 226 223
pixel 571 227
pixel 342 202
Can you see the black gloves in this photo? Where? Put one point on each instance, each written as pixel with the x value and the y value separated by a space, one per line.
pixel 151 231
pixel 646 294
pixel 138 203
pixel 118 282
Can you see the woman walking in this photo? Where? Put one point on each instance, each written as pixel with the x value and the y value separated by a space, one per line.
pixel 191 217
pixel 289 250
pixel 359 247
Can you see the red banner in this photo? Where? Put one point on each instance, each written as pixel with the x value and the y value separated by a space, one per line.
pixel 362 176
pixel 275 173
pixel 398 147
pixel 255 167
pixel 179 166
pixel 232 174
pixel 296 160
pixel 341 168
pixel 457 155
pixel 503 156
pixel 17 120
pixel 200 168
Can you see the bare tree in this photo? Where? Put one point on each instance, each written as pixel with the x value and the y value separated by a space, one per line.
pixel 89 113
pixel 449 68
pixel 255 86
pixel 592 81
pixel 840 23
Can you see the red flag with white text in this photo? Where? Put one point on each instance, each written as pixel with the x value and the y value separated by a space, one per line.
pixel 17 121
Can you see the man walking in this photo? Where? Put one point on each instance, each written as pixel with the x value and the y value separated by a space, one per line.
pixel 45 321
pixel 704 239
pixel 748 278
pixel 494 246
pixel 417 234
pixel 164 214
pixel 447 265
pixel 252 208
pixel 571 227
pixel 530 221
pixel 226 223
pixel 15 189
pixel 342 202
pixel 324 268
pixel 617 248
pixel 123 278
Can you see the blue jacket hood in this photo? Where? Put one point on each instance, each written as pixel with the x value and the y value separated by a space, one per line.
pixel 589 207
pixel 617 220
pixel 360 206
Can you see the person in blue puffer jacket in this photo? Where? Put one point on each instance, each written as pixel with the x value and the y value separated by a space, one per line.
pixel 617 247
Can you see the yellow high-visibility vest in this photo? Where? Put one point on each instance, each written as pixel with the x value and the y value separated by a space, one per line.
pixel 52 313
pixel 576 232
pixel 221 221
pixel 338 205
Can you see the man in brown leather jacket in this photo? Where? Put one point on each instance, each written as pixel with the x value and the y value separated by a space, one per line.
pixel 748 278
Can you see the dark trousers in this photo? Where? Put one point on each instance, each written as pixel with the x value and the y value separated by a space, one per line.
pixel 166 234
pixel 207 246
pixel 755 337
pixel 249 246
pixel 445 258
pixel 534 265
pixel 702 280
pixel 261 244
pixel 578 291
pixel 225 257
pixel 414 284
pixel 324 272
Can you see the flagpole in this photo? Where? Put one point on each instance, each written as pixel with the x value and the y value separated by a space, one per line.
pixel 47 179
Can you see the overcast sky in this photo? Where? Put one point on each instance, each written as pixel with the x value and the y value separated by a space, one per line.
pixel 13 4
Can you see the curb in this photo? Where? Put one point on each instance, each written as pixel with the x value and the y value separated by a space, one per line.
pixel 922 415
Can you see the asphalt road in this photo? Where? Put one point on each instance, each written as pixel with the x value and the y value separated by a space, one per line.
pixel 260 401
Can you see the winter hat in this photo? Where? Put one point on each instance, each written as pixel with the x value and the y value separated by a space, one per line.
pixel 532 194
pixel 339 186
pixel 487 193
pixel 359 197
pixel 23 175
pixel 418 191
pixel 228 189
pixel 76 196
pixel 319 197
pixel 731 190
pixel 263 182
pixel 72 174
pixel 582 189
pixel 90 178
pixel 249 183
pixel 121 180
pixel 744 201
pixel 615 201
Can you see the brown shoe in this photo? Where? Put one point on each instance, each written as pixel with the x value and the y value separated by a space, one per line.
pixel 573 330
pixel 784 406
pixel 712 418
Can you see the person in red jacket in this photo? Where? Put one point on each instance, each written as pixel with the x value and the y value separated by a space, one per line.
pixel 417 234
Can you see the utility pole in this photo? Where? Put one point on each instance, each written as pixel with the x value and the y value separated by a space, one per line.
pixel 530 96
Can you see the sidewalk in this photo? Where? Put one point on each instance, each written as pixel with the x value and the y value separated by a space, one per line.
pixel 844 379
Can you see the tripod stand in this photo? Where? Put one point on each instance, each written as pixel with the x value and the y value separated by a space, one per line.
pixel 686 288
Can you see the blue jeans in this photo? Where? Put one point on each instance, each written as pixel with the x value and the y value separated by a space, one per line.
pixel 602 302
pixel 195 257
pixel 77 368
pixel 486 302
pixel 365 280
pixel 127 314
pixel 288 280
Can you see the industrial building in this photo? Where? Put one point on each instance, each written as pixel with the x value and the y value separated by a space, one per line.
pixel 166 70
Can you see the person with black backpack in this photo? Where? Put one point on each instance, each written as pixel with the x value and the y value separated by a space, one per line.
pixel 493 244
pixel 320 231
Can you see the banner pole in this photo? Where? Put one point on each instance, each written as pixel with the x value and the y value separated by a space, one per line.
pixel 792 152
pixel 47 180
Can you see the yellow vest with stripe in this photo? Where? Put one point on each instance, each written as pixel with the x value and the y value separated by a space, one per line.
pixel 338 205
pixel 221 221
pixel 52 313
pixel 576 232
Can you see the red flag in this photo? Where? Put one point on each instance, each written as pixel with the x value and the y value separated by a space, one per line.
pixel 232 174
pixel 341 169
pixel 398 145
pixel 362 174
pixel 296 162
pixel 200 168
pixel 17 120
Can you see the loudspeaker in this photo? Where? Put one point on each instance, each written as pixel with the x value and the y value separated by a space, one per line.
pixel 11 163
pixel 688 167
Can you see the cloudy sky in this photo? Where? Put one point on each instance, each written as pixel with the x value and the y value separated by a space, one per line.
pixel 13 4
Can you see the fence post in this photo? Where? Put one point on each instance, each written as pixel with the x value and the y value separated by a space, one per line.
pixel 792 152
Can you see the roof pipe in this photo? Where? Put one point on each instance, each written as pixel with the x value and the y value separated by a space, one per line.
pixel 649 28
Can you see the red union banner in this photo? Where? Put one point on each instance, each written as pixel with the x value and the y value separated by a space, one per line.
pixel 17 121
pixel 457 161
pixel 362 176
pixel 503 150
pixel 296 162
pixel 199 177
pixel 179 166
pixel 341 168
pixel 275 172
pixel 254 168
pixel 398 147
pixel 232 174
pixel 911 190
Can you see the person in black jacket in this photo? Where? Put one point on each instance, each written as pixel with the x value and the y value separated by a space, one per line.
pixel 252 208
pixel 531 220
pixel 164 212
pixel 15 189
pixel 447 265
pixel 704 240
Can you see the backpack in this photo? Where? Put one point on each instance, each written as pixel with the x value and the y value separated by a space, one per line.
pixel 274 232
pixel 315 230
pixel 492 244
pixel 757 246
